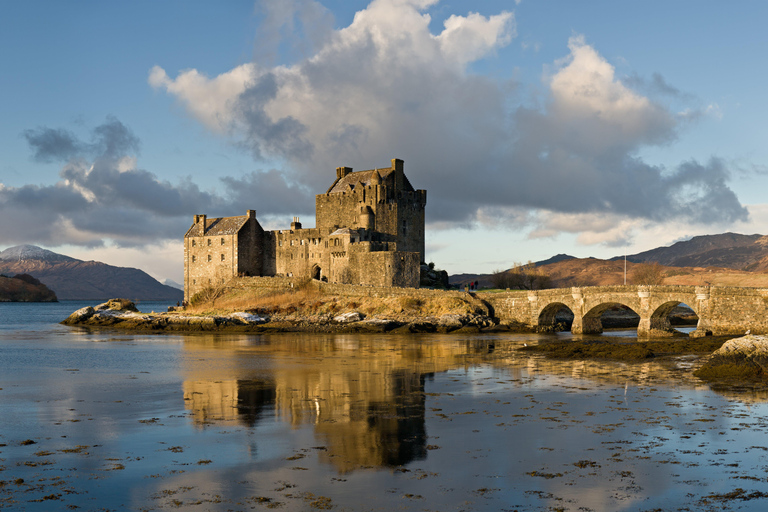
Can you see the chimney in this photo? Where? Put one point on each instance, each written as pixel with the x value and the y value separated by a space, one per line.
pixel 295 224
pixel 201 220
pixel 251 214
pixel 397 166
pixel 342 171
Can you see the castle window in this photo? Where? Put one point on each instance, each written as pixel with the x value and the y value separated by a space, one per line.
pixel 194 281
pixel 280 243
pixel 209 257
pixel 222 241
pixel 291 242
pixel 302 241
pixel 222 257
pixel 209 241
pixel 193 243
pixel 194 258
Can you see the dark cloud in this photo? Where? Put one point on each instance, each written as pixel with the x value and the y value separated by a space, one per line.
pixel 284 137
pixel 102 195
pixel 270 192
pixel 53 144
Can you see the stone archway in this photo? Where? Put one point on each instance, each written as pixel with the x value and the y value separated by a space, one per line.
pixel 592 322
pixel 659 324
pixel 316 272
pixel 555 317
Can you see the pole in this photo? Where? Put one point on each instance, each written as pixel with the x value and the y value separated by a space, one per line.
pixel 625 268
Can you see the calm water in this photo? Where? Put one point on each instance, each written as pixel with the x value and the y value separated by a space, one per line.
pixel 305 422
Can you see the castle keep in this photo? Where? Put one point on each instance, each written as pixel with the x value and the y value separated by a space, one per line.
pixel 370 231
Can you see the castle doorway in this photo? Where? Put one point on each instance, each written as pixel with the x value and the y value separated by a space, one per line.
pixel 316 272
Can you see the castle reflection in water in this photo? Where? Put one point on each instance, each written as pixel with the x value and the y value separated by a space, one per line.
pixel 365 397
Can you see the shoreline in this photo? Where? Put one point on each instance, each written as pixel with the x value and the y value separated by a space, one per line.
pixel 122 314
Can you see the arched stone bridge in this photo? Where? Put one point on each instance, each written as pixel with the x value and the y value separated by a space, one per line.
pixel 721 310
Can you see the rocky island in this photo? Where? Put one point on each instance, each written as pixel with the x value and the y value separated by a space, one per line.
pixel 300 311
pixel 24 288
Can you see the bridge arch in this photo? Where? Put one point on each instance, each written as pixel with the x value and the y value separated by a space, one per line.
pixel 592 321
pixel 548 317
pixel 659 324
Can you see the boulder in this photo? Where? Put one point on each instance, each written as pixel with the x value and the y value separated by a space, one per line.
pixel 117 305
pixel 352 316
pixel 744 358
pixel 247 318
pixel 80 315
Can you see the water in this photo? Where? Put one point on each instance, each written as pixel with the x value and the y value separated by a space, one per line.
pixel 124 421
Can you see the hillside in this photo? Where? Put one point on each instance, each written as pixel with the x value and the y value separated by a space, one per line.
pixel 24 288
pixel 73 279
pixel 727 250
pixel 728 259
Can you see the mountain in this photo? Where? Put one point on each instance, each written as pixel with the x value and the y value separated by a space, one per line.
pixel 728 259
pixel 728 250
pixel 173 284
pixel 73 279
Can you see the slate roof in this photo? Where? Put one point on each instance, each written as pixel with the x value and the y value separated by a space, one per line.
pixel 362 178
pixel 221 226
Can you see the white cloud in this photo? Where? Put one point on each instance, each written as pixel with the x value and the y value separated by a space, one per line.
pixel 209 100
pixel 386 87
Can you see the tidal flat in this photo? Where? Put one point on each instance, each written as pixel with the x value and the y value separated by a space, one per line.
pixel 109 420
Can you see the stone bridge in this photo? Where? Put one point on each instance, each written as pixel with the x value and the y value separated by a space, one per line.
pixel 721 310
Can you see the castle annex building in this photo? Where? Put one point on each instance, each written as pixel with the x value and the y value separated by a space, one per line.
pixel 370 231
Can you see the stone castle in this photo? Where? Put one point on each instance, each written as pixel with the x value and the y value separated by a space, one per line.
pixel 370 231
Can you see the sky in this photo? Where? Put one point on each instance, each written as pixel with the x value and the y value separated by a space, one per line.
pixel 537 127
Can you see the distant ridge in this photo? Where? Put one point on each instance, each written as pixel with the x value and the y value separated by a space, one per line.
pixel 727 250
pixel 73 279
pixel 732 251
pixel 555 259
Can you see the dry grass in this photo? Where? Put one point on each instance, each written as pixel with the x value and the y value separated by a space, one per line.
pixel 308 301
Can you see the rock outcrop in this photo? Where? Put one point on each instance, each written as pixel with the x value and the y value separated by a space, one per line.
pixel 742 358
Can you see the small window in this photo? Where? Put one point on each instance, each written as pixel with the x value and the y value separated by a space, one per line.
pixel 194 281
pixel 193 243
pixel 291 242
pixel 222 241
pixel 302 242
pixel 209 257
pixel 194 258
pixel 209 242
pixel 222 257
pixel 280 243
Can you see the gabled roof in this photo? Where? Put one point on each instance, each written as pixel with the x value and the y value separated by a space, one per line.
pixel 362 178
pixel 220 226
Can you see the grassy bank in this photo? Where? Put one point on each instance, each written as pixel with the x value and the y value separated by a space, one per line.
pixel 310 302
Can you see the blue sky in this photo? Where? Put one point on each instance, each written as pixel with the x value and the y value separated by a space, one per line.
pixel 537 127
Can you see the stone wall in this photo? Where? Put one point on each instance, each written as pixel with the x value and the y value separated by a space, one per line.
pixel 736 310
pixel 208 261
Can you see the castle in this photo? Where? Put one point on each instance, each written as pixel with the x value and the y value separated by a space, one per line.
pixel 370 231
